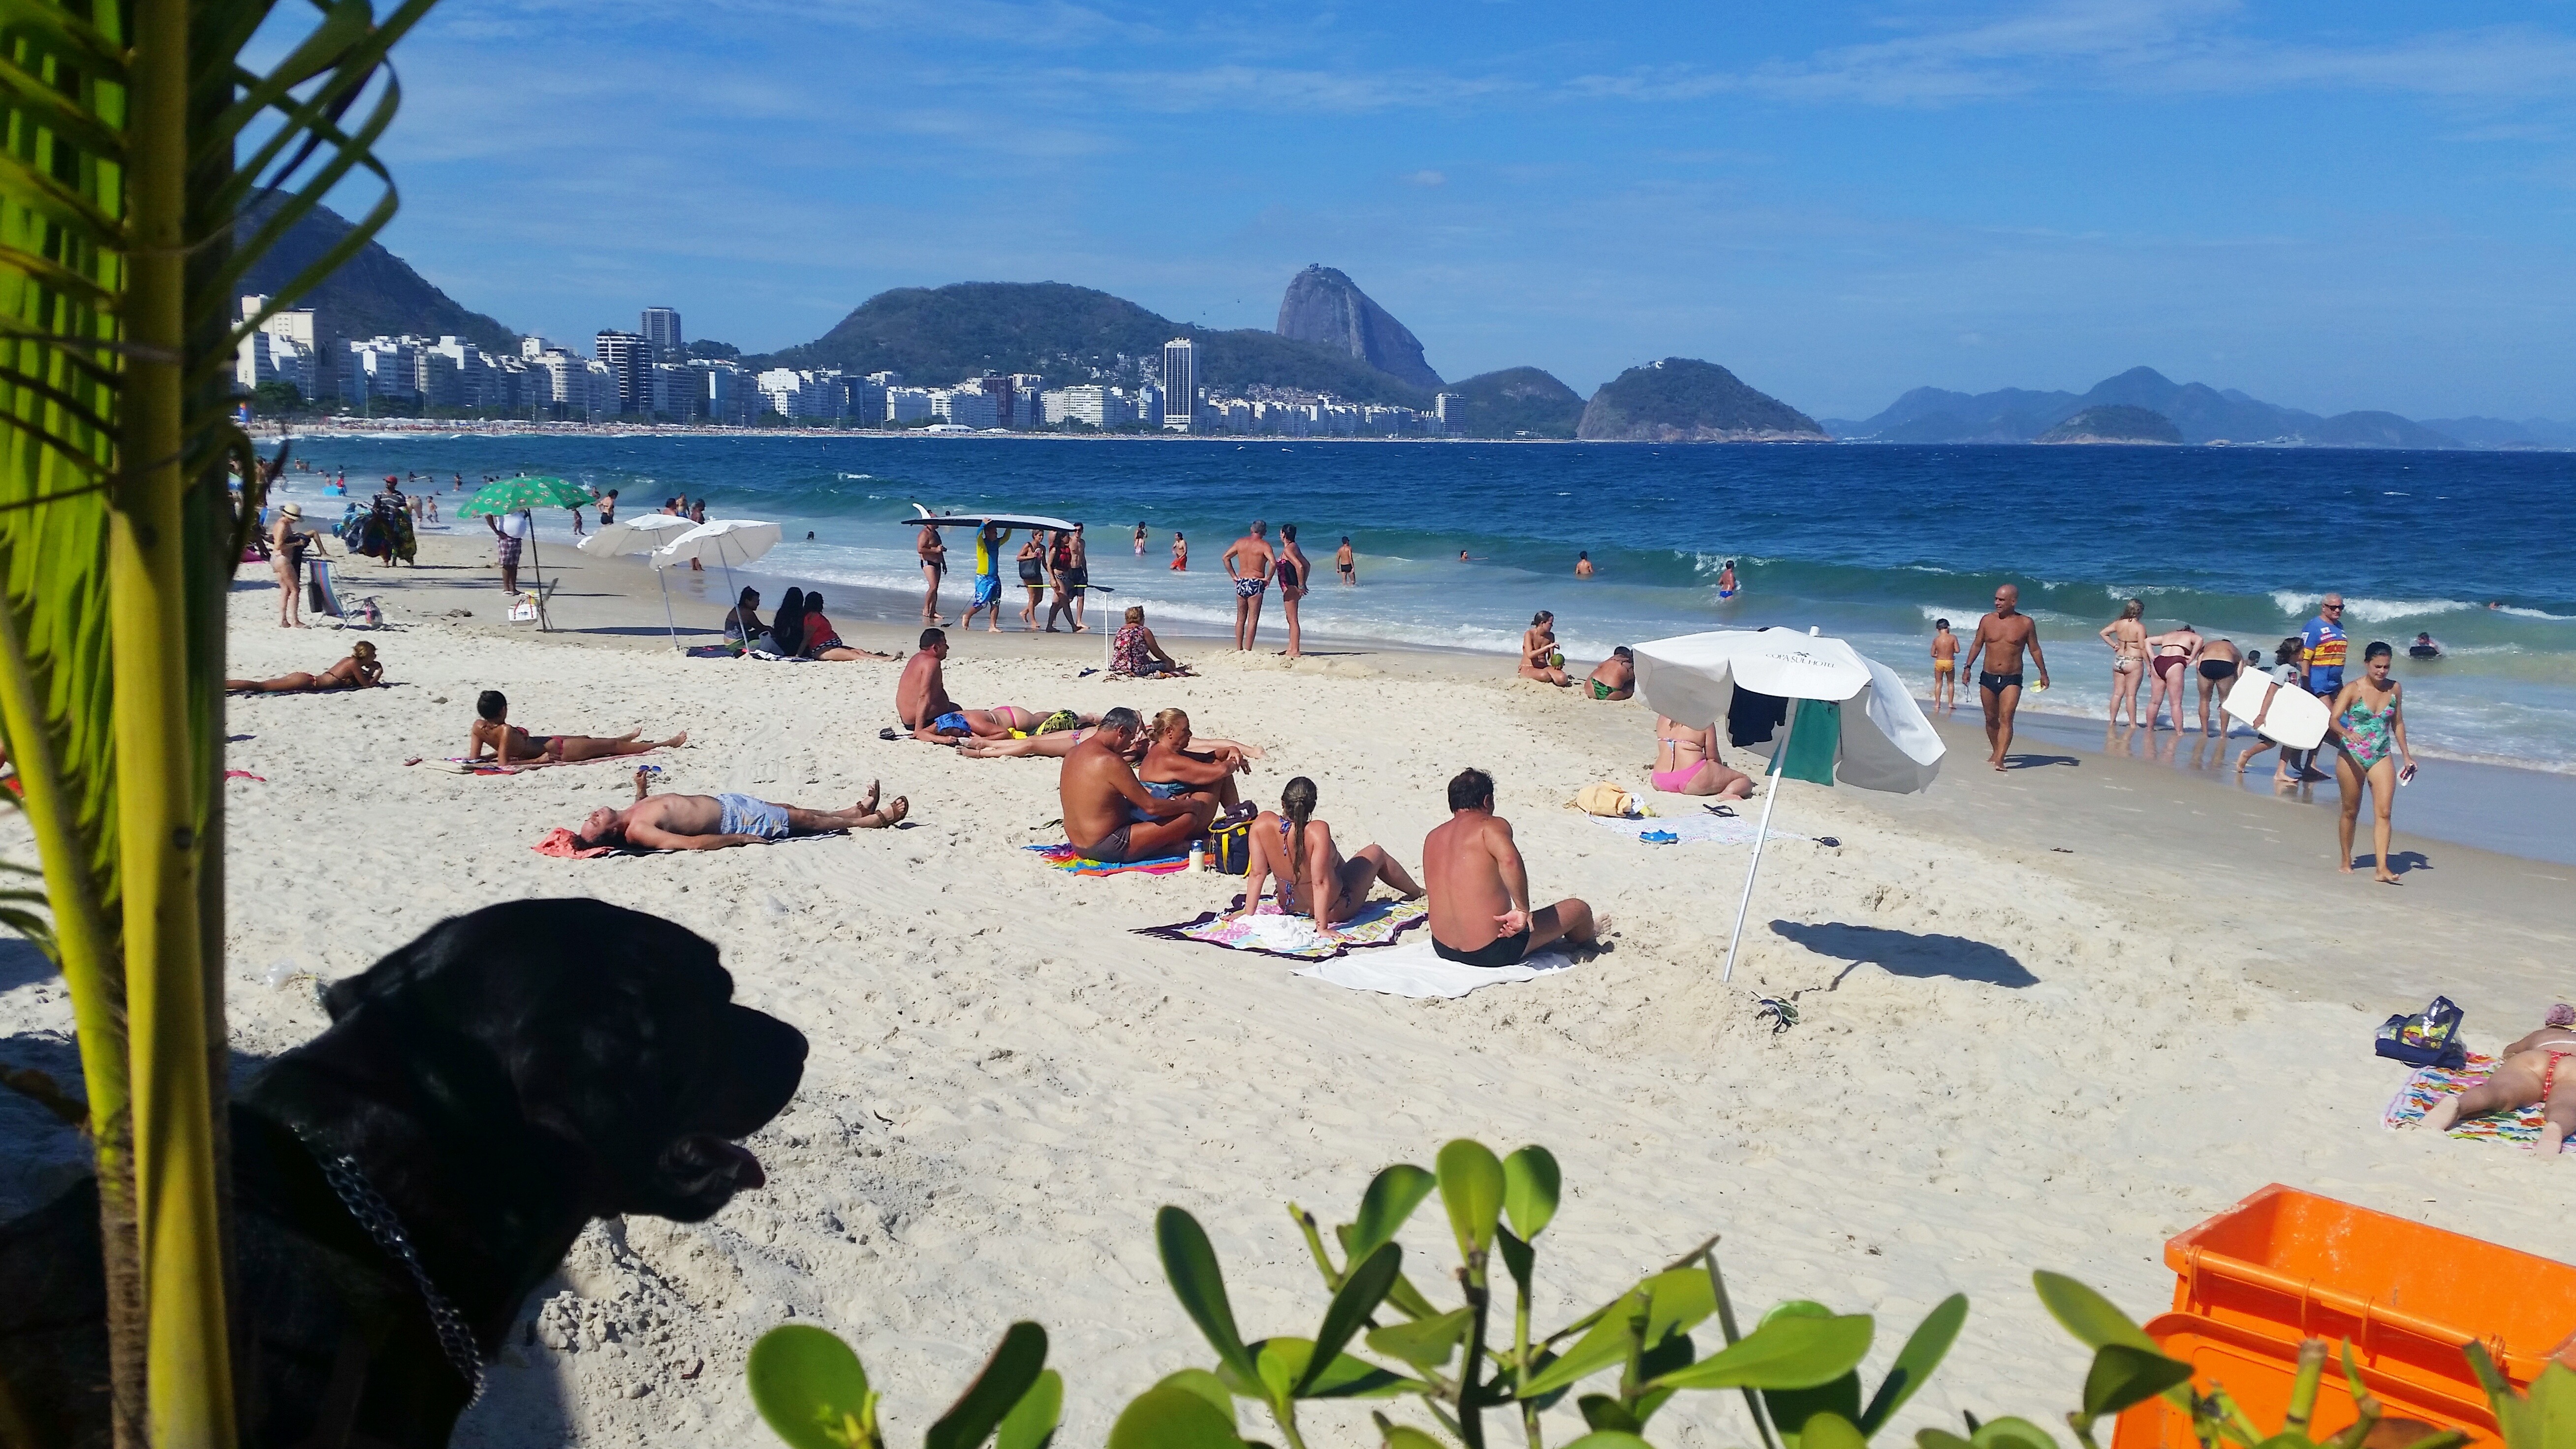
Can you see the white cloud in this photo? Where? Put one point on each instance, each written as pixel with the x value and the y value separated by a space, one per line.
pixel 1427 178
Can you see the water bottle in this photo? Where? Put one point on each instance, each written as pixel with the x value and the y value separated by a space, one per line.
pixel 1198 855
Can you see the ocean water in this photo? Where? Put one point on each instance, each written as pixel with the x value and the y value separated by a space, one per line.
pixel 1868 542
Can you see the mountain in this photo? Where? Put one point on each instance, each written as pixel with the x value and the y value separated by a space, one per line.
pixel 2113 423
pixel 937 335
pixel 1519 402
pixel 1685 400
pixel 2501 433
pixel 373 293
pixel 2199 412
pixel 1324 307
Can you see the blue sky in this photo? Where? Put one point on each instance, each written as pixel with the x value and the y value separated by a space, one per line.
pixel 2331 206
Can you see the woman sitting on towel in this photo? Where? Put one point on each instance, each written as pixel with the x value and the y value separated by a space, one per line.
pixel 822 641
pixel 1314 879
pixel 511 745
pixel 1173 768
pixel 359 671
pixel 1686 763
pixel 1133 650
pixel 2527 1072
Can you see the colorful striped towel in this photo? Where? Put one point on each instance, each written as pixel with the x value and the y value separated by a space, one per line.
pixel 2428 1085
pixel 1272 933
pixel 1065 858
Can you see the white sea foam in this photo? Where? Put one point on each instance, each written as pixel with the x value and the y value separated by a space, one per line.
pixel 2537 614
pixel 2369 611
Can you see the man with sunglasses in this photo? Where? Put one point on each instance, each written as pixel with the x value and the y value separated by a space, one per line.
pixel 2001 637
pixel 2322 645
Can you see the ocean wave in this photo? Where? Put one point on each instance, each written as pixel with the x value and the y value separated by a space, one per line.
pixel 2537 614
pixel 2369 611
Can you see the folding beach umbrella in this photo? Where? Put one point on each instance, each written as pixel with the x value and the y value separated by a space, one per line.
pixel 728 541
pixel 1854 718
pixel 641 534
pixel 510 495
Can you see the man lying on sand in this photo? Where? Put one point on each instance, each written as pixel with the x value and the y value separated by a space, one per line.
pixel 1480 914
pixel 1177 764
pixel 712 822
pixel 921 701
pixel 1109 815
pixel 1314 879
pixel 510 744
pixel 2526 1072
pixel 359 671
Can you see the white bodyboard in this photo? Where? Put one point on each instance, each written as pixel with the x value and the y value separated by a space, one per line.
pixel 2297 719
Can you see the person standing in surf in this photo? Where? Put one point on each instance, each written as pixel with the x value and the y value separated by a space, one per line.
pixel 2322 645
pixel 2001 637
pixel 1140 538
pixel 1248 563
pixel 934 562
pixel 1347 563
pixel 1295 575
pixel 1727 587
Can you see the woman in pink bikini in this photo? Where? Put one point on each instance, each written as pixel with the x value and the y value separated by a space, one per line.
pixel 1686 763
pixel 2526 1072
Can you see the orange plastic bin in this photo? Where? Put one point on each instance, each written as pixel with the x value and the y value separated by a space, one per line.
pixel 2283 1266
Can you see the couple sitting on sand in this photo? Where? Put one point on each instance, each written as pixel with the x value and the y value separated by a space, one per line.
pixel 712 822
pixel 2527 1072
pixel 921 701
pixel 1112 814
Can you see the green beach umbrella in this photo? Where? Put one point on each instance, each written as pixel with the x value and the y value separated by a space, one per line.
pixel 512 495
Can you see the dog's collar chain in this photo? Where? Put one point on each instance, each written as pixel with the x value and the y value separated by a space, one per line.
pixel 377 1216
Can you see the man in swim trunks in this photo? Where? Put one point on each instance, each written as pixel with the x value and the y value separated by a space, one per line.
pixel 1349 565
pixel 1480 913
pixel 712 822
pixel 1248 563
pixel 988 578
pixel 2219 661
pixel 1614 678
pixel 921 699
pixel 2531 1070
pixel 1109 815
pixel 2001 637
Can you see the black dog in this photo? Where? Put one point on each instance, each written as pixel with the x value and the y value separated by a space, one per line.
pixel 497 1083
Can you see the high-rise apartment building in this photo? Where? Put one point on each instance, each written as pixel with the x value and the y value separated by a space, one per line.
pixel 1452 410
pixel 629 359
pixel 1180 385
pixel 662 329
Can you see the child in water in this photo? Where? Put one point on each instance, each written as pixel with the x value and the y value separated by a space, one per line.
pixel 1945 666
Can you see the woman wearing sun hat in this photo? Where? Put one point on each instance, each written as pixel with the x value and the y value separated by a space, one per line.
pixel 286 546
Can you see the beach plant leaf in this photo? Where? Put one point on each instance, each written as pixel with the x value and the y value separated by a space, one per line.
pixel 1471 1188
pixel 2092 1318
pixel 1165 1417
pixel 1204 1384
pixel 1518 1257
pixel 1405 1436
pixel 1531 1182
pixel 1006 1378
pixel 1603 1411
pixel 1831 1431
pixel 1281 1362
pixel 1425 1343
pixel 2122 1375
pixel 1605 1345
pixel 1284 1363
pixel 1675 1302
pixel 1391 1197
pixel 810 1388
pixel 2011 1433
pixel 1790 1409
pixel 1609 1439
pixel 1939 1439
pixel 1362 1290
pixel 1924 1349
pixel 2543 1419
pixel 1190 1263
pixel 1788 1352
pixel 1032 1422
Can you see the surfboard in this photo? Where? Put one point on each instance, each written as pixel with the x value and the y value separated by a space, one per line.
pixel 2297 719
pixel 923 515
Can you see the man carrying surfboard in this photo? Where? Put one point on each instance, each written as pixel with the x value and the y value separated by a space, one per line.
pixel 988 578
pixel 2001 637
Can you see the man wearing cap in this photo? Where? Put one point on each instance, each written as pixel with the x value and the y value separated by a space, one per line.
pixel 513 534
pixel 286 546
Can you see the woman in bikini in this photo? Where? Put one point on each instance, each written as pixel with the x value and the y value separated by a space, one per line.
pixel 359 671
pixel 2173 653
pixel 1033 576
pixel 1293 572
pixel 510 744
pixel 1173 768
pixel 1538 650
pixel 2128 640
pixel 1059 571
pixel 1140 539
pixel 2527 1072
pixel 1314 879
pixel 2366 729
pixel 287 544
pixel 1686 763
pixel 1054 737
pixel 934 564
pixel 820 640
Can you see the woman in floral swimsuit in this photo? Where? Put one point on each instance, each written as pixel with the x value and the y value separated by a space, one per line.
pixel 2367 731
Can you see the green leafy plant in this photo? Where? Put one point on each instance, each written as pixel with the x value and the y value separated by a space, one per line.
pixel 811 1389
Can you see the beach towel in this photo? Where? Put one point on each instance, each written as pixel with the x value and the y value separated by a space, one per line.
pixel 1272 932
pixel 2427 1085
pixel 1065 858
pixel 1414 969
pixel 1697 829
pixel 459 765
pixel 564 845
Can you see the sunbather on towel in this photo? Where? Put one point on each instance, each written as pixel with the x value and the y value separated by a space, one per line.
pixel 2531 1070
pixel 1178 764
pixel 510 744
pixel 1474 867
pixel 1314 879
pixel 921 701
pixel 359 671
pixel 712 822
pixel 1108 814
pixel 1054 738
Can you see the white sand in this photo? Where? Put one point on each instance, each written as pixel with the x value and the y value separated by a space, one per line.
pixel 2070 1060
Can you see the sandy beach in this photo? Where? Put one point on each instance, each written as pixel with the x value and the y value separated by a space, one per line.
pixel 2049 1017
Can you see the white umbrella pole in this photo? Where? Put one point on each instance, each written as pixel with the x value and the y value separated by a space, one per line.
pixel 1780 761
pixel 665 581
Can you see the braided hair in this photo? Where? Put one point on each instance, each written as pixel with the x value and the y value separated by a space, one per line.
pixel 1297 802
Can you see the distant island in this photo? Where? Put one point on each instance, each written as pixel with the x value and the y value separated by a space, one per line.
pixel 1684 400
pixel 2114 423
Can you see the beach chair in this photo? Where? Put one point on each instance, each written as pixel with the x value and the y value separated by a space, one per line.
pixel 319 598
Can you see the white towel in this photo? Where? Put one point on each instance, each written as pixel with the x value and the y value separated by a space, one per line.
pixel 1412 968
pixel 1698 828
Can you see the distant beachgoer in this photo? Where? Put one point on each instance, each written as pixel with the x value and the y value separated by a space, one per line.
pixel 2322 645
pixel 1247 562
pixel 1687 763
pixel 787 631
pixel 1295 574
pixel 713 822
pixel 286 548
pixel 1054 738
pixel 1462 556
pixel 1727 588
pixel 698 510
pixel 1347 563
pixel 822 641
pixel 1614 678
pixel 2128 640
pixel 1297 850
pixel 988 578
pixel 1134 652
pixel 1077 577
pixel 2218 664
pixel 510 744
pixel 2172 655
pixel 2424 647
pixel 2525 1073
pixel 608 508
pixel 511 531
pixel 2367 726
pixel 2001 637
pixel 1140 538
pixel 1540 658
pixel 934 562
pixel 1033 567
pixel 1481 912
pixel 1945 666
pixel 2287 673
pixel 576 517
pixel 1180 553
pixel 1108 813
pixel 1583 564
pixel 1176 763
pixel 742 621
pixel 359 671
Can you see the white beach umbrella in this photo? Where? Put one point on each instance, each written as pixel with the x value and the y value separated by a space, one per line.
pixel 641 534
pixel 1879 738
pixel 728 541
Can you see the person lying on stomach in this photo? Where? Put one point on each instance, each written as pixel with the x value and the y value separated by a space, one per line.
pixel 712 822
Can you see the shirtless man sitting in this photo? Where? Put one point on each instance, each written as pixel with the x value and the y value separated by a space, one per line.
pixel 510 744
pixel 712 822
pixel 921 701
pixel 2002 636
pixel 1614 678
pixel 1108 814
pixel 1480 911
pixel 2531 1070
pixel 1314 879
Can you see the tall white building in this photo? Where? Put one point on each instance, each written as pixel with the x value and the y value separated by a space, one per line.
pixel 907 404
pixel 661 327
pixel 629 358
pixel 1451 409
pixel 1180 385
pixel 967 406
pixel 1100 407
pixel 675 391
pixel 286 348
